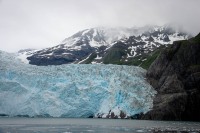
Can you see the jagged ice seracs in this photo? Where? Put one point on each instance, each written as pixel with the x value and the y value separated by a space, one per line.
pixel 73 90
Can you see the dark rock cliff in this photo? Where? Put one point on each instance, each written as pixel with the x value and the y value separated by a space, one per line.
pixel 175 75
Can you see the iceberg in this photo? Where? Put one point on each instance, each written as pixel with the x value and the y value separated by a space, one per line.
pixel 74 90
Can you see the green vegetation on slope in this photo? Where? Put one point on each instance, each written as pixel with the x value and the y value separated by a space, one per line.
pixel 115 54
pixel 195 39
pixel 90 59
pixel 150 59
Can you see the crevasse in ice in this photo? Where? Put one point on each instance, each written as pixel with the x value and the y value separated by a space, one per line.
pixel 73 90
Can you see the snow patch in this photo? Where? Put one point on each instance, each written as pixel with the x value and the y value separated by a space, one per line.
pixel 84 59
pixel 23 58
pixel 98 57
pixel 86 31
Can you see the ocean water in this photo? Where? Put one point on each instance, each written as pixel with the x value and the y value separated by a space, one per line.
pixel 68 125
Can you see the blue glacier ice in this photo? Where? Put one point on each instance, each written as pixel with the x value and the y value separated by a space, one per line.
pixel 74 90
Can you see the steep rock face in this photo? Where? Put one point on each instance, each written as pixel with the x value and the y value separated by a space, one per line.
pixel 175 74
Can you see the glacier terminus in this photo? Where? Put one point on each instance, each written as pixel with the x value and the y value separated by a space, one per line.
pixel 72 90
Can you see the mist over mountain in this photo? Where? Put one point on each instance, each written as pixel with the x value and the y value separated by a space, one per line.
pixel 41 24
pixel 106 46
pixel 108 59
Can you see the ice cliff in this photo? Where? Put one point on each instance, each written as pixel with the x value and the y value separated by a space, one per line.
pixel 72 90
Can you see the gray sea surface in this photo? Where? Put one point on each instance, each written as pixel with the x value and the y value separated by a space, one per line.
pixel 70 125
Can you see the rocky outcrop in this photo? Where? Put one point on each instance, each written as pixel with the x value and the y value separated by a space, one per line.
pixel 175 75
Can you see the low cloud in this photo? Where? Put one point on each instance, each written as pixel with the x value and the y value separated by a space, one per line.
pixel 45 23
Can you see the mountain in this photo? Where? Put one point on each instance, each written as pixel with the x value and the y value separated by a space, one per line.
pixel 73 90
pixel 130 46
pixel 175 75
pixel 24 53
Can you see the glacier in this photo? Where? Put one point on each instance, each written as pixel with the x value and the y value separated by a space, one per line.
pixel 73 90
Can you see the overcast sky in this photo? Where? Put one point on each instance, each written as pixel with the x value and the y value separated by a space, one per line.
pixel 45 23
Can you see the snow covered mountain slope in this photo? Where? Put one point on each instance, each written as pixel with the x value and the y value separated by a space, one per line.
pixel 79 46
pixel 74 90
pixel 93 45
pixel 24 53
pixel 133 49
